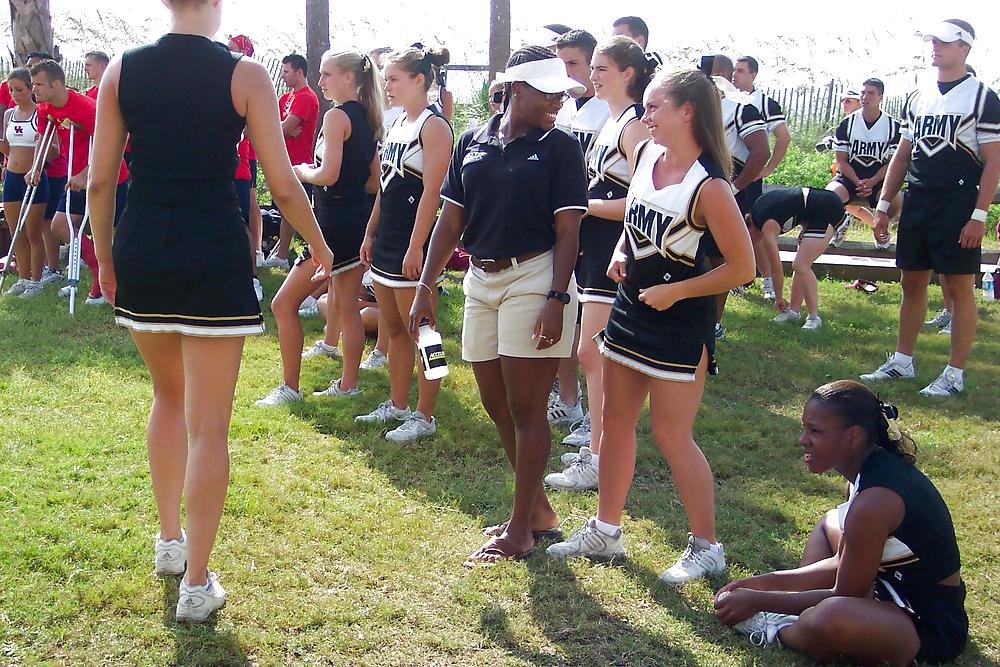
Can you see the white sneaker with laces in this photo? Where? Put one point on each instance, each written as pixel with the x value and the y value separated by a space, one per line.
pixel 787 316
pixel 377 359
pixel 769 294
pixel 335 390
pixel 64 292
pixel 17 289
pixel 891 370
pixel 561 413
pixel 699 559
pixel 275 262
pixel 98 300
pixel 763 627
pixel 812 323
pixel 841 232
pixel 171 556
pixel 321 349
pixel 945 330
pixel 581 475
pixel 579 434
pixel 414 428
pixel 49 276
pixel 33 289
pixel 590 542
pixel 279 396
pixel 946 384
pixel 883 245
pixel 261 259
pixel 196 603
pixel 258 289
pixel 310 310
pixel 942 319
pixel 385 412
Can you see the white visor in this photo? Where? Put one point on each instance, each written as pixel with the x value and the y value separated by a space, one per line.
pixel 729 91
pixel 948 32
pixel 548 76
pixel 542 37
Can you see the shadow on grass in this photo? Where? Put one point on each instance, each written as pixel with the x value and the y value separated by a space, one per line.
pixel 199 643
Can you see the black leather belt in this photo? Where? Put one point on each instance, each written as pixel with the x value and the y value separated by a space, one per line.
pixel 495 265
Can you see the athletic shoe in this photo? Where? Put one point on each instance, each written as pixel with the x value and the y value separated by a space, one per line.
pixel 891 370
pixel 946 384
pixel 945 330
pixel 32 289
pixel 739 290
pixel 841 232
pixel 261 260
pixel 414 428
pixel 561 413
pixel 383 413
pixel 64 292
pixel 98 300
pixel 171 556
pixel 321 349
pixel 720 331
pixel 579 434
pixel 258 289
pixel 763 627
pixel 275 262
pixel 309 307
pixel 280 395
pixel 590 542
pixel 812 323
pixel 196 603
pixel 787 316
pixel 769 294
pixel 335 390
pixel 554 392
pixel 377 359
pixel 942 319
pixel 698 560
pixel 49 276
pixel 17 289
pixel 581 475
pixel 883 245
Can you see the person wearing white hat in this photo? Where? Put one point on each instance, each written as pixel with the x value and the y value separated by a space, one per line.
pixel 514 194
pixel 950 156
pixel 547 36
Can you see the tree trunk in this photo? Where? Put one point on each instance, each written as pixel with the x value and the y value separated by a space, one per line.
pixel 499 36
pixel 317 43
pixel 31 26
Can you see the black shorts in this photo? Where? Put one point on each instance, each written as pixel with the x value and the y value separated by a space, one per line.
pixel 745 199
pixel 929 227
pixel 871 201
pixel 253 174
pixel 598 239
pixel 57 185
pixel 243 195
pixel 938 615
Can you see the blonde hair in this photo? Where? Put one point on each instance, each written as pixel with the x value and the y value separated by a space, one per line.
pixel 369 83
pixel 692 86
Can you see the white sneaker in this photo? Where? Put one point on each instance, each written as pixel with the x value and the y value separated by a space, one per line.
pixel 841 232
pixel 49 276
pixel 946 384
pixel 321 349
pixel 739 290
pixel 942 319
pixel 561 413
pixel 787 316
pixel 891 370
pixel 589 542
pixel 698 560
pixel 258 289
pixel 275 262
pixel 385 412
pixel 98 300
pixel 171 556
pixel 335 390
pixel 33 289
pixel 413 429
pixel 17 289
pixel 196 603
pixel 945 330
pixel 812 323
pixel 763 627
pixel 377 359
pixel 280 395
pixel 720 331
pixel 579 434
pixel 769 294
pixel 581 475
pixel 261 259
pixel 309 307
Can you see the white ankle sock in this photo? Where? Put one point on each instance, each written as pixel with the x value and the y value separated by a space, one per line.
pixel 768 281
pixel 959 372
pixel 606 528
pixel 902 359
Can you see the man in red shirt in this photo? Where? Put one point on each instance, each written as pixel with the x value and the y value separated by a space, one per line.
pixel 68 108
pixel 94 64
pixel 299 109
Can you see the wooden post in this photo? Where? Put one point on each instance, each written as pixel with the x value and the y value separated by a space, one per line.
pixel 317 43
pixel 499 36
pixel 31 27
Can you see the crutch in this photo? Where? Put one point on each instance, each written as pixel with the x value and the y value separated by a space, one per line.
pixel 29 198
pixel 75 233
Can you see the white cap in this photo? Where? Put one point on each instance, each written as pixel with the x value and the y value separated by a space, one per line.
pixel 548 76
pixel 949 32
pixel 851 95
pixel 542 37
pixel 729 91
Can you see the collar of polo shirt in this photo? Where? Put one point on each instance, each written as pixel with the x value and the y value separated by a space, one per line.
pixel 949 32
pixel 487 133
pixel 547 75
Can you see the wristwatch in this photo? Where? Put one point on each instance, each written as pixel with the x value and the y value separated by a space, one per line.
pixel 562 297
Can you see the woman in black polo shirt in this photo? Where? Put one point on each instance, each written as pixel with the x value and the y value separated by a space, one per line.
pixel 515 193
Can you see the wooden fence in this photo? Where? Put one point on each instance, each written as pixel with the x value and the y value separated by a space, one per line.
pixel 816 109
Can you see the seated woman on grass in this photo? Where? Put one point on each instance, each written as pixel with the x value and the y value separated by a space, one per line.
pixel 879 582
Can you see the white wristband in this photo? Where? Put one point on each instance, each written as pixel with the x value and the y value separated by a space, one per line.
pixel 883 206
pixel 979 215
pixel 735 189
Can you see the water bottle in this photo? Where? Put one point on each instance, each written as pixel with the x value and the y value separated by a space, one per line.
pixel 431 352
pixel 988 294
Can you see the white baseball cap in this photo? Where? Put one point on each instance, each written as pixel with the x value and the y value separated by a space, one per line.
pixel 542 37
pixel 851 95
pixel 547 75
pixel 949 32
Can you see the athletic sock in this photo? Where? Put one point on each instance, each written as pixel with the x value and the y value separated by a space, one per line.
pixel 959 372
pixel 768 282
pixel 606 528
pixel 89 257
pixel 903 359
pixel 595 459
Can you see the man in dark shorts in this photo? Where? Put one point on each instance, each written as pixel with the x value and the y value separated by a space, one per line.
pixel 950 155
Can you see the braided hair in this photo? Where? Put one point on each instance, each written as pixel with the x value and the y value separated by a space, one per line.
pixel 856 405
pixel 526 54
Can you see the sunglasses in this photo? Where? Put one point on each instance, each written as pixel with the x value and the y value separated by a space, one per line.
pixel 550 97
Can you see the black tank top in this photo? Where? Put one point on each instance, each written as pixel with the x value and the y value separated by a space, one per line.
pixel 176 98
pixel 359 151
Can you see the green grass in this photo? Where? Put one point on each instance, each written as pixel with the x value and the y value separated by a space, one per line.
pixel 339 548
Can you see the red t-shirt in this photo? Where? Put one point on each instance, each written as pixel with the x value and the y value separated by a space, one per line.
pixel 80 111
pixel 243 166
pixel 304 104
pixel 5 100
pixel 92 92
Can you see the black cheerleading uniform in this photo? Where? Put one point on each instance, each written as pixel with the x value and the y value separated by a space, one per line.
pixel 814 209
pixel 342 209
pixel 663 244
pixel 402 186
pixel 919 553
pixel 610 176
pixel 181 249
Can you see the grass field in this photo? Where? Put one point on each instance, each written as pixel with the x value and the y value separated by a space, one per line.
pixel 340 548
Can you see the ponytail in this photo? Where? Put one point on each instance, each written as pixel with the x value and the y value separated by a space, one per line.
pixel 856 405
pixel 369 83
pixel 694 87
pixel 625 53
pixel 426 61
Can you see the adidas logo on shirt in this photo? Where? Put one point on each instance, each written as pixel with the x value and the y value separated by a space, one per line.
pixel 533 156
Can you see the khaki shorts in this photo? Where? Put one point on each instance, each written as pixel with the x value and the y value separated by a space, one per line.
pixel 501 310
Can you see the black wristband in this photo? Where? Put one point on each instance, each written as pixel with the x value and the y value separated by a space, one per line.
pixel 562 297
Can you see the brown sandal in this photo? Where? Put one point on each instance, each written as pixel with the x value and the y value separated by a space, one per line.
pixel 553 533
pixel 495 551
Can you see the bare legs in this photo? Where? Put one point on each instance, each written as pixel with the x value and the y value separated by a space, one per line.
pixel 595 318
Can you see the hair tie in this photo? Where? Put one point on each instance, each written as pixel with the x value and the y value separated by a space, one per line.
pixel 891 414
pixel 652 61
pixel 366 63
